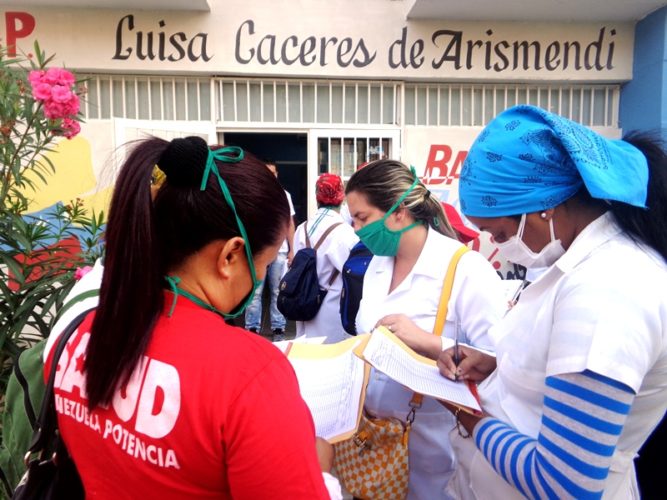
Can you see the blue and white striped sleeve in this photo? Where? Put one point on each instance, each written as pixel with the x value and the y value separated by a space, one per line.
pixel 583 416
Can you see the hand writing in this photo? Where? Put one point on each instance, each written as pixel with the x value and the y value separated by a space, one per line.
pixel 473 364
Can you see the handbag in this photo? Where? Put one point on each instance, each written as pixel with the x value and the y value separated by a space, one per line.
pixel 51 473
pixel 374 462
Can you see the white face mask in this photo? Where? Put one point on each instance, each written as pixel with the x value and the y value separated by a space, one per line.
pixel 515 250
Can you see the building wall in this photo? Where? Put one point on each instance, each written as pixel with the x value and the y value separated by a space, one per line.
pixel 644 99
pixel 358 80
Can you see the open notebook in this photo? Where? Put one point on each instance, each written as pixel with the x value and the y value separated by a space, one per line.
pixel 332 380
pixel 388 354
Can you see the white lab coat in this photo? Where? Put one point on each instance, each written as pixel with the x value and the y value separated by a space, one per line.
pixel 601 307
pixel 331 256
pixel 476 301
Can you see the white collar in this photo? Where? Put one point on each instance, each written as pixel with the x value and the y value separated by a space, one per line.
pixel 598 232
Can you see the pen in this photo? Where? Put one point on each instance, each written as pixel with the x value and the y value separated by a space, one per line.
pixel 515 297
pixel 457 359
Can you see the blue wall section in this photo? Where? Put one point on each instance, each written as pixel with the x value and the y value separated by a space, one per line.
pixel 643 103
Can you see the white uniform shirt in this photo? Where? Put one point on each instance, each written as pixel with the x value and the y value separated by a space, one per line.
pixel 601 307
pixel 331 256
pixel 284 248
pixel 476 302
pixel 90 281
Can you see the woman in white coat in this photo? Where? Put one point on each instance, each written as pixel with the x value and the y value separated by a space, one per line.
pixel 331 255
pixel 581 378
pixel 405 227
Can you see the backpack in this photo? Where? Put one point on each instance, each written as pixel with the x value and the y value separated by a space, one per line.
pixel 23 400
pixel 299 293
pixel 353 273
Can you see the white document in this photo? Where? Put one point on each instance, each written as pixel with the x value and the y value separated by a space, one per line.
pixel 332 380
pixel 387 353
pixel 284 345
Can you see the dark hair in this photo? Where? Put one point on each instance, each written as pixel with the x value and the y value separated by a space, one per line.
pixel 648 226
pixel 384 182
pixel 145 239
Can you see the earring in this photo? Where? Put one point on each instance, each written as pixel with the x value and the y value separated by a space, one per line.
pixel 543 215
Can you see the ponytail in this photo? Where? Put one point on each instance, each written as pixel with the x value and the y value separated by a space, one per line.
pixel 648 226
pixel 131 296
pixel 435 216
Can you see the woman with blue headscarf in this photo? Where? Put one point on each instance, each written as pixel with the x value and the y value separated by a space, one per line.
pixel 580 378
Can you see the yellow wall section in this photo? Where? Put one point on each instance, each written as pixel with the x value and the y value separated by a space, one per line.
pixel 73 178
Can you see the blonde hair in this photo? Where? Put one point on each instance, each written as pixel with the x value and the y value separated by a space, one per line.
pixel 383 182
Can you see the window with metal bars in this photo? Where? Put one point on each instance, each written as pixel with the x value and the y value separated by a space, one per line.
pixel 241 100
pixel 232 101
pixel 476 105
pixel 306 101
pixel 147 98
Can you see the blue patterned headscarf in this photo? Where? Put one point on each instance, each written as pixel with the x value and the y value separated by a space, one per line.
pixel 528 159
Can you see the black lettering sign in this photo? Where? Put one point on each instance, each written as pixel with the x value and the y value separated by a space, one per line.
pixel 457 51
pixel 270 50
pixel 454 46
pixel 143 43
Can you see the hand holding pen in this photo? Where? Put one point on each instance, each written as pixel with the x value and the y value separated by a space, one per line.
pixel 462 362
pixel 457 355
pixel 515 298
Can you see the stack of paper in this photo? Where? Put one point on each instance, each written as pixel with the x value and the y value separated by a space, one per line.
pixel 390 355
pixel 333 378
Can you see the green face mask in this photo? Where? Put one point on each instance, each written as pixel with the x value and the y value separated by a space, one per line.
pixel 231 154
pixel 381 240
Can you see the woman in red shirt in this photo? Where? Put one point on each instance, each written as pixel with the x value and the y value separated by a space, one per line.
pixel 157 396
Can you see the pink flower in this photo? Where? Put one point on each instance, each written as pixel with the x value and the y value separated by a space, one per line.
pixel 73 105
pixel 41 91
pixel 81 272
pixel 60 93
pixel 54 89
pixel 59 76
pixel 70 128
pixel 35 77
pixel 55 110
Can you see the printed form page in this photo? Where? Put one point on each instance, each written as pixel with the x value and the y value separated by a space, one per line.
pixel 387 353
pixel 332 380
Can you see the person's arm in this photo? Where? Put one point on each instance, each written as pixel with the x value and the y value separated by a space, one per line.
pixel 290 230
pixel 477 287
pixel 290 241
pixel 583 415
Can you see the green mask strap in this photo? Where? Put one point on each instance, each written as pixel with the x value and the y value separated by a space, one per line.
pixel 173 282
pixel 403 196
pixel 230 154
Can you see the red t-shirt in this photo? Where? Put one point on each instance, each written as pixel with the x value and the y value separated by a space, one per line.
pixel 211 411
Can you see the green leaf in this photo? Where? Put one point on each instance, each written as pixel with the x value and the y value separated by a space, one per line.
pixel 14 267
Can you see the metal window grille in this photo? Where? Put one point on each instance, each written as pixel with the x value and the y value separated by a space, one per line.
pixel 341 155
pixel 306 102
pixel 231 101
pixel 476 105
pixel 147 98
